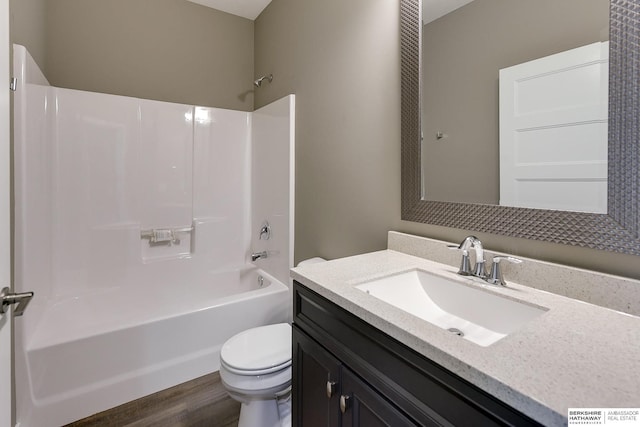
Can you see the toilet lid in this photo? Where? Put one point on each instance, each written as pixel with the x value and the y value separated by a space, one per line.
pixel 258 348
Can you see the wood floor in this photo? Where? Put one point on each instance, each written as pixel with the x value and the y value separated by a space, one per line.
pixel 198 403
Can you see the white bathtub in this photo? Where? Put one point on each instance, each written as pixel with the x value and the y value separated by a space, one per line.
pixel 97 351
pixel 115 317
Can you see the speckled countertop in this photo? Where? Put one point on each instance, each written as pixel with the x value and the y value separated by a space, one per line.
pixel 576 355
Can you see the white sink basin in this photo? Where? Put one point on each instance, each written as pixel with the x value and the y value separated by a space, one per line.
pixel 465 310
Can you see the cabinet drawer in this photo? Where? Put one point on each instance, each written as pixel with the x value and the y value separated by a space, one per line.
pixel 421 388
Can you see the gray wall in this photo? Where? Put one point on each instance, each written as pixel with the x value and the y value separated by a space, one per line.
pixel 341 59
pixel 168 50
pixel 28 27
pixel 463 52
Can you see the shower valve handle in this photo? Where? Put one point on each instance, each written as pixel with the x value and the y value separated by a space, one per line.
pixel 265 231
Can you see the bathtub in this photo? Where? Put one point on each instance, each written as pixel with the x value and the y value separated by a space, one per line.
pixel 92 352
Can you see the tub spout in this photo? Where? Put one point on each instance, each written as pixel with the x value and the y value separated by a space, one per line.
pixel 258 255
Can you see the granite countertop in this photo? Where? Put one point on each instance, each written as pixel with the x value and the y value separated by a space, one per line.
pixel 575 355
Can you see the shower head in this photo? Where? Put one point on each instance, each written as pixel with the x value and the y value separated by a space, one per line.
pixel 258 82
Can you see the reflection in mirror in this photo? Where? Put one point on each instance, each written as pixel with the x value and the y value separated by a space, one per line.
pixel 532 135
pixel 618 230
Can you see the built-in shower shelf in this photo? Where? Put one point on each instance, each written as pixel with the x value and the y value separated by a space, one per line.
pixel 165 235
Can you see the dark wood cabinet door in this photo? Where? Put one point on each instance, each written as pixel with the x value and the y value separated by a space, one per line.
pixel 315 384
pixel 362 406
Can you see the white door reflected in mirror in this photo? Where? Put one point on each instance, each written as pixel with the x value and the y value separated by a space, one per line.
pixel 553 131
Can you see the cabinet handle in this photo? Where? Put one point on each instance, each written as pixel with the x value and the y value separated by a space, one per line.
pixel 331 386
pixel 345 403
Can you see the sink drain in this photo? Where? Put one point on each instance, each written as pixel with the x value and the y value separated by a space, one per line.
pixel 456 331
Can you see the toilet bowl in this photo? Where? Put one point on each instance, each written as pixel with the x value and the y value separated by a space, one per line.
pixel 255 369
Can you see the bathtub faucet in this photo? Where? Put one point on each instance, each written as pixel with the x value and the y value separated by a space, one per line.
pixel 258 255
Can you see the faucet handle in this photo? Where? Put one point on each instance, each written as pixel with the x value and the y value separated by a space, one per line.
pixel 511 259
pixel 465 264
pixel 265 231
pixel 495 276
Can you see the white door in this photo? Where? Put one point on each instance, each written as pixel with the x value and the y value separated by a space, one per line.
pixel 553 131
pixel 5 244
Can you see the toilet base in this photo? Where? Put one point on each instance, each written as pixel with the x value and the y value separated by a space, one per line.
pixel 265 413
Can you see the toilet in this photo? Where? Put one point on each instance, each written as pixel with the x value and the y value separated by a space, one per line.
pixel 255 369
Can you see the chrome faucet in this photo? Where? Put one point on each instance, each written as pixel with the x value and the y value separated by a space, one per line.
pixel 258 255
pixel 479 269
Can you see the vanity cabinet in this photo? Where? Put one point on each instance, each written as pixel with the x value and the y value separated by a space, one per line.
pixel 348 373
pixel 330 394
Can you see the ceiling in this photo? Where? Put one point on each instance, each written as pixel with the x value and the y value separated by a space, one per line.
pixel 250 9
pixel 434 9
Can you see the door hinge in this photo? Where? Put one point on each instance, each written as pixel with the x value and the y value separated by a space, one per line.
pixel 13 84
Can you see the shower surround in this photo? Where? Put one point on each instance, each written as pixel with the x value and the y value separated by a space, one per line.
pixel 135 221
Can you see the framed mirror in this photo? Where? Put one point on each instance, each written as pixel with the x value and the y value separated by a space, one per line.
pixel 616 231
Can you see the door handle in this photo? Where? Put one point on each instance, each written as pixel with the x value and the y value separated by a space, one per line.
pixel 345 403
pixel 7 298
pixel 331 386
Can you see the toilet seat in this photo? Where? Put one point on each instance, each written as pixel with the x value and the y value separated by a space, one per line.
pixel 256 371
pixel 258 351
